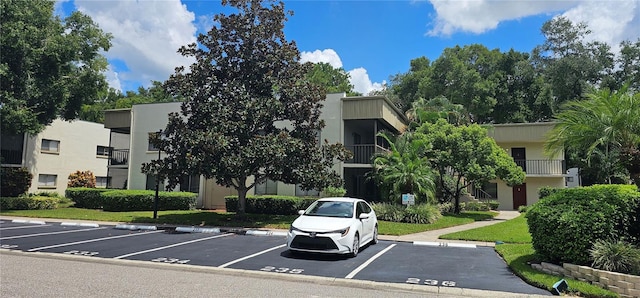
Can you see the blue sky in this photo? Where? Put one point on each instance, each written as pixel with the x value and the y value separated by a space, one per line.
pixel 372 40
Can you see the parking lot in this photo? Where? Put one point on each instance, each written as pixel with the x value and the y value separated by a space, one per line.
pixel 388 261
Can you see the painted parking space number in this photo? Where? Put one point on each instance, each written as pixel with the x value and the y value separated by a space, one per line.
pixel 281 270
pixel 82 253
pixel 170 260
pixel 431 282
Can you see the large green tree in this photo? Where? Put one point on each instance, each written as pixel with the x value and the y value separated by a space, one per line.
pixel 606 125
pixel 568 63
pixel 469 155
pixel 248 113
pixel 49 67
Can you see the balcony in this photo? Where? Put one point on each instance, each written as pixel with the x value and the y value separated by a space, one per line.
pixel 542 167
pixel 362 153
pixel 11 157
pixel 119 157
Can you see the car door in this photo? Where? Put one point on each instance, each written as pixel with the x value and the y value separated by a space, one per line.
pixel 367 223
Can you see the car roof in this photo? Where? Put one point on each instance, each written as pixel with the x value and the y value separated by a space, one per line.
pixel 341 199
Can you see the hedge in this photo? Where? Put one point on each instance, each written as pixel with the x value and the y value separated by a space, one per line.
pixel 565 224
pixel 270 204
pixel 28 203
pixel 143 200
pixel 14 181
pixel 88 198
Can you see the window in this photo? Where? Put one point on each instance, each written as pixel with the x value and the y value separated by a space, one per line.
pixel 151 183
pixel 152 137
pixel 50 146
pixel 47 181
pixel 268 187
pixel 190 183
pixel 306 193
pixel 102 182
pixel 103 151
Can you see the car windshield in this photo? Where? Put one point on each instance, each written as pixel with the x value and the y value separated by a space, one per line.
pixel 330 209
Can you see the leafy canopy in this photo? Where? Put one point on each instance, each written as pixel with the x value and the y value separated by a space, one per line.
pixel 248 110
pixel 468 154
pixel 48 67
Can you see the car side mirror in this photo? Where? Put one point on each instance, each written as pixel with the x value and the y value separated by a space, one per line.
pixel 300 212
pixel 363 216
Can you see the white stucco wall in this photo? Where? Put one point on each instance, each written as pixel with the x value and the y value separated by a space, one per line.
pixel 77 152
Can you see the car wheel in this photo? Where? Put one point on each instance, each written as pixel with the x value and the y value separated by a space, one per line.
pixel 375 236
pixel 356 245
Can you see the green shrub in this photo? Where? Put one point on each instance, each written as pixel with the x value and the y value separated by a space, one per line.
pixel 565 224
pixel 522 209
pixel 143 200
pixel 82 179
pixel 476 206
pixel 494 204
pixel 447 207
pixel 270 204
pixel 28 203
pixel 331 191
pixel 618 256
pixel 14 181
pixel 546 191
pixel 88 198
pixel 389 212
pixel 51 194
pixel 421 213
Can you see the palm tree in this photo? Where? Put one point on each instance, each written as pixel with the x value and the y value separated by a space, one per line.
pixel 608 122
pixel 404 169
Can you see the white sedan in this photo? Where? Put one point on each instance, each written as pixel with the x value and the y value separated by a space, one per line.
pixel 334 225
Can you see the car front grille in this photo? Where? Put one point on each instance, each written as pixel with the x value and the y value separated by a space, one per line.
pixel 315 243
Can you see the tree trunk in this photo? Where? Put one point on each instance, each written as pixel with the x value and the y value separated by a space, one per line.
pixel 456 209
pixel 242 198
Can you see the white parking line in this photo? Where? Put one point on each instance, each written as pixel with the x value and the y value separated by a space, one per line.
pixel 23 227
pixel 80 224
pixel 37 222
pixel 365 264
pixel 92 240
pixel 172 245
pixel 49 233
pixel 251 256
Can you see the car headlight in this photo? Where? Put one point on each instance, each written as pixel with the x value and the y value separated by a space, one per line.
pixel 292 228
pixel 342 232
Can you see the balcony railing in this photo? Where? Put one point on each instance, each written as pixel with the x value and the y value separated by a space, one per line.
pixel 119 157
pixel 11 157
pixel 362 153
pixel 542 166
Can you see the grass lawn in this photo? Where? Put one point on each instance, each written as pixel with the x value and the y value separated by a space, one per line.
pixel 224 219
pixel 511 231
pixel 518 251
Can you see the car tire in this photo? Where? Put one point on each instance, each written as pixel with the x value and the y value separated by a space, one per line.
pixel 356 245
pixel 375 239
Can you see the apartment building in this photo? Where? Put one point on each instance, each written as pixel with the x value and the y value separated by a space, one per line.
pixel 353 121
pixel 61 149
pixel 525 143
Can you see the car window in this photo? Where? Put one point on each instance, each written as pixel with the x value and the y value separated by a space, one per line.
pixel 330 209
pixel 363 208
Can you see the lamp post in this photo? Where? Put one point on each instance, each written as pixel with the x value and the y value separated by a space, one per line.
pixel 155 200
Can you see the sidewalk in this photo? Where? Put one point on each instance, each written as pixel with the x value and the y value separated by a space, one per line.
pixel 432 236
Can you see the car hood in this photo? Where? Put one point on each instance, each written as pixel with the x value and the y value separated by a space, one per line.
pixel 321 223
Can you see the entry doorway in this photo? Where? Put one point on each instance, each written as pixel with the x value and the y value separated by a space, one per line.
pixel 519 195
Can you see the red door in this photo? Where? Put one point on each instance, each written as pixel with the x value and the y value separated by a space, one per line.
pixel 519 195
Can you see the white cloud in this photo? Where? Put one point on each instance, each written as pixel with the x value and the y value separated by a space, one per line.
pixel 478 16
pixel 326 56
pixel 609 21
pixel 112 78
pixel 361 82
pixel 146 35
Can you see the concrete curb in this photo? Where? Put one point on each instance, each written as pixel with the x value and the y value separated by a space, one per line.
pixel 329 281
